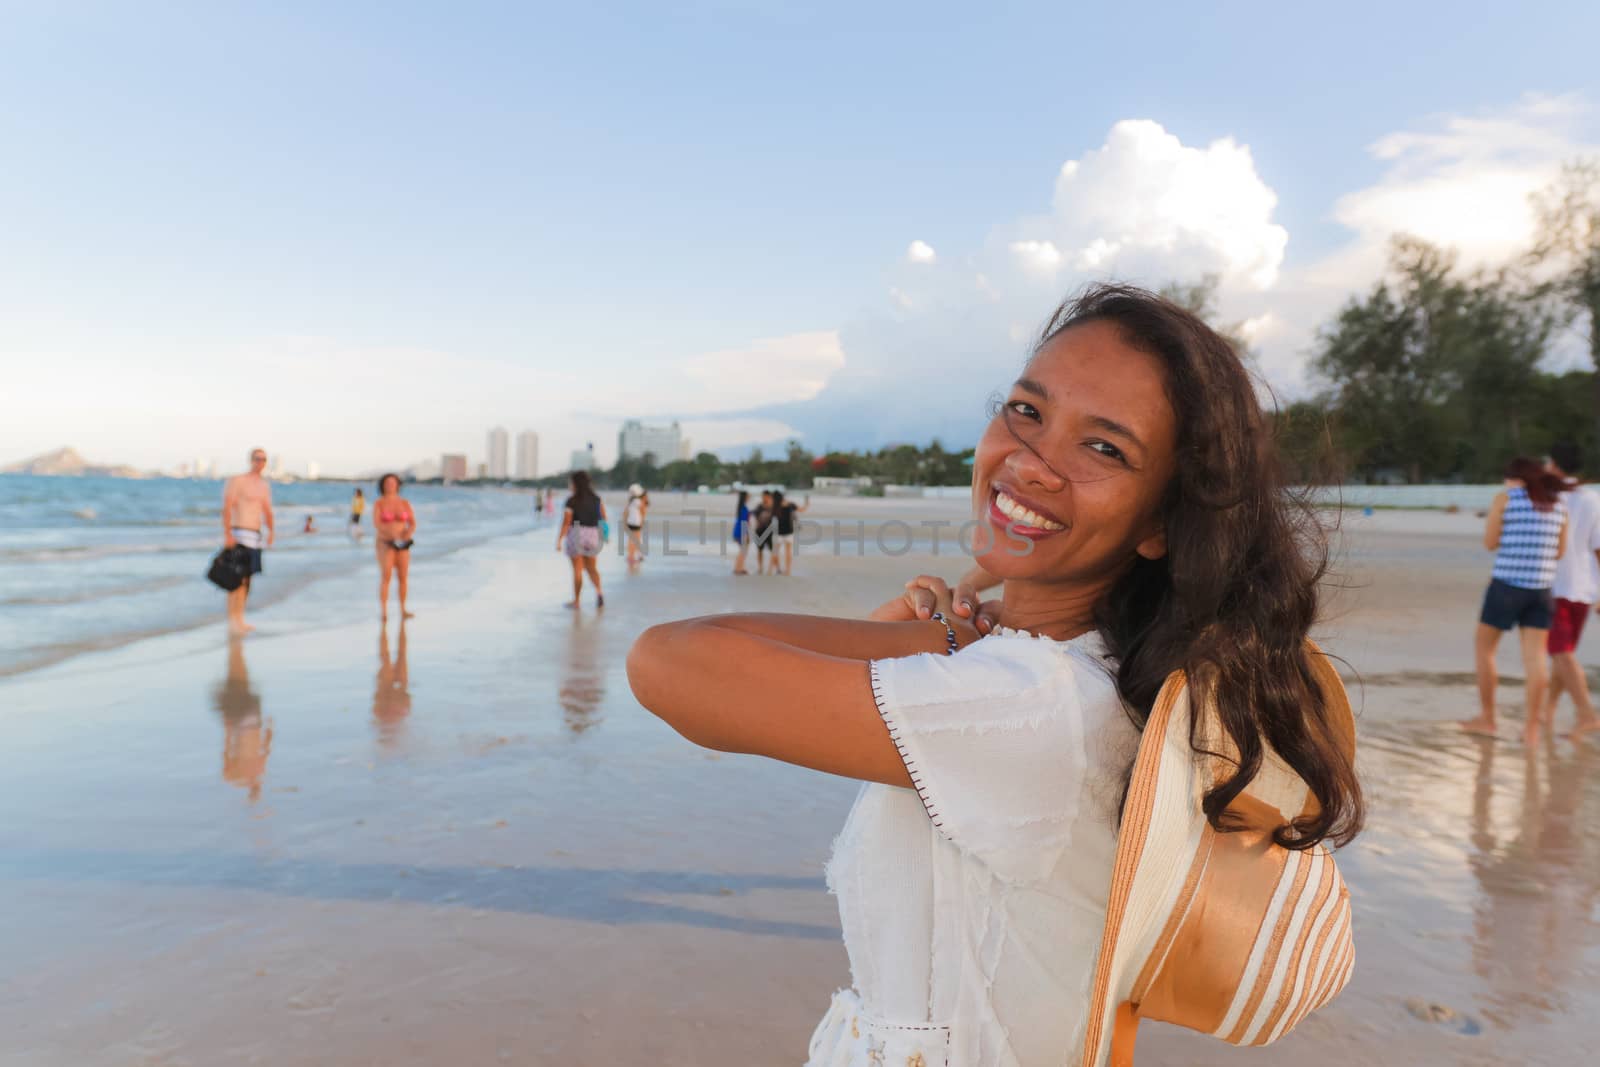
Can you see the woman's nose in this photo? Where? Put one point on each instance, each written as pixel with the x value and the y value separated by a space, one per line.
pixel 1029 469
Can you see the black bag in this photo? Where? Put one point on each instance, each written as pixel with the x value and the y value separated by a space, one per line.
pixel 229 569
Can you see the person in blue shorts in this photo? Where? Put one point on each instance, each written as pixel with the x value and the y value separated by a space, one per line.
pixel 1527 531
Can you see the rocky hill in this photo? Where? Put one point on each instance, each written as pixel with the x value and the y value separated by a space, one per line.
pixel 67 461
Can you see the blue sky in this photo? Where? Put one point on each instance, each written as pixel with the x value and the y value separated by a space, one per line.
pixel 365 233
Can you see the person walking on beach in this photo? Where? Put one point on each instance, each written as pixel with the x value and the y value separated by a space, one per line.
pixel 1576 591
pixel 1526 530
pixel 358 504
pixel 580 536
pixel 741 531
pixel 633 515
pixel 783 514
pixel 246 511
pixel 764 530
pixel 394 524
pixel 992 911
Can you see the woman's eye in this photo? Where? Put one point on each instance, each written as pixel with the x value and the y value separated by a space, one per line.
pixel 1025 409
pixel 1106 448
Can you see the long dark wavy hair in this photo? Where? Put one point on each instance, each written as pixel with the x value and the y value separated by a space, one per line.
pixel 582 488
pixel 1232 601
pixel 1544 487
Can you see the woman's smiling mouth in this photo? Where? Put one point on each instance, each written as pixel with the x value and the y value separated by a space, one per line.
pixel 1019 518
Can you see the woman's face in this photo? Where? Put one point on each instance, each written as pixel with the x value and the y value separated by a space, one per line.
pixel 390 486
pixel 1096 409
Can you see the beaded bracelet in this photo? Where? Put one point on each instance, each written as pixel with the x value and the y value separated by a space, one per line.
pixel 949 633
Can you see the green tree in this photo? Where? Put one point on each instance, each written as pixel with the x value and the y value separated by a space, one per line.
pixel 1507 333
pixel 1307 439
pixel 1392 360
pixel 679 474
pixel 707 469
pixel 1200 297
pixel 1567 253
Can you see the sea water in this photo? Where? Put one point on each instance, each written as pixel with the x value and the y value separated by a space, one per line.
pixel 91 563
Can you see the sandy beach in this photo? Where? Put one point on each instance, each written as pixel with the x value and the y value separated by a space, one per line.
pixel 335 843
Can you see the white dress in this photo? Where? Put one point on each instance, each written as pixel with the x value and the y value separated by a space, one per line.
pixel 973 905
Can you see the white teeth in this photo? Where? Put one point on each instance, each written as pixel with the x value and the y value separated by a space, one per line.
pixel 1023 516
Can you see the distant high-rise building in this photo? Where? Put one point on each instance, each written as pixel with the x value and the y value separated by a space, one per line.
pixel 313 470
pixel 277 469
pixel 636 440
pixel 453 467
pixel 527 455
pixel 483 471
pixel 498 464
pixel 582 459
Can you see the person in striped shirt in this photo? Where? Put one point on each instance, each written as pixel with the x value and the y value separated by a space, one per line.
pixel 1527 532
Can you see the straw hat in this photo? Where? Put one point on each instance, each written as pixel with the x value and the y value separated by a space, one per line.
pixel 1226 933
pixel 635 489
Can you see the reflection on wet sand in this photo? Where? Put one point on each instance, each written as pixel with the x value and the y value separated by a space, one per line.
pixel 246 736
pixel 582 688
pixel 1538 866
pixel 391 696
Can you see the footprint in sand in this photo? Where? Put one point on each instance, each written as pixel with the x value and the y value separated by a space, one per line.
pixel 1447 1017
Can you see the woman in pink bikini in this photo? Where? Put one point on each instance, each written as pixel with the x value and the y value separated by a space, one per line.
pixel 395 524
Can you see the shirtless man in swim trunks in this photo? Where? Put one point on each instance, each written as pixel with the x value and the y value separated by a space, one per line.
pixel 246 505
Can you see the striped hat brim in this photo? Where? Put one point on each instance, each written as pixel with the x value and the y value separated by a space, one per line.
pixel 1226 933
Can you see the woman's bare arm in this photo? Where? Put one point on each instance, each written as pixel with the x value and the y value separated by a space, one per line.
pixel 814 710
pixel 1491 529
pixel 855 639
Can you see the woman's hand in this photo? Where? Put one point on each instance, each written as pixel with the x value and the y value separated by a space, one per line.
pixel 928 593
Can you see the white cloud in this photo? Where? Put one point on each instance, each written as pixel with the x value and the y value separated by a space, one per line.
pixel 1258 327
pixel 1147 208
pixel 794 367
pixel 1144 199
pixel 1460 181
pixel 1465 184
pixel 708 435
pixel 1145 202
pixel 921 252
pixel 1142 206
pixel 1042 257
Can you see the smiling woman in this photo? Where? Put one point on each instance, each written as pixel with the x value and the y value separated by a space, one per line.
pixel 1010 892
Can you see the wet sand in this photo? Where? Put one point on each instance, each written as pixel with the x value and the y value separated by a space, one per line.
pixel 325 846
